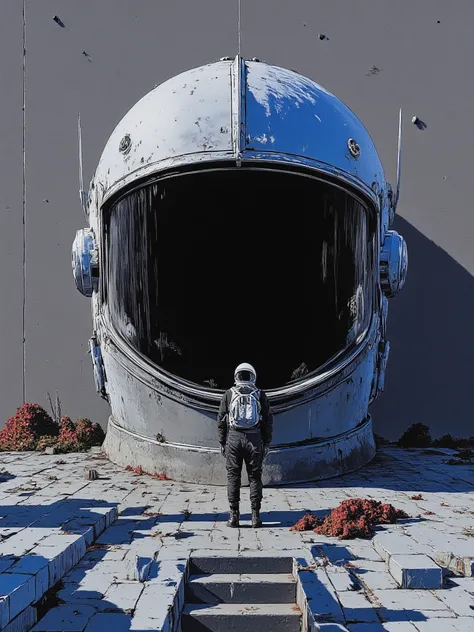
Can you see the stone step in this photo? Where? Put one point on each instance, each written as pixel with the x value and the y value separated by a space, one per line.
pixel 241 618
pixel 410 567
pixel 242 589
pixel 237 564
pixel 37 557
pixel 415 572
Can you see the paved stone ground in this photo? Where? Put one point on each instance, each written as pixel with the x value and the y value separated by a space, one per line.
pixel 129 577
pixel 48 516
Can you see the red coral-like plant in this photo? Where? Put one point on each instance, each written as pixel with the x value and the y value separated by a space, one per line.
pixel 307 523
pixel 162 476
pixel 23 430
pixel 79 436
pixel 31 428
pixel 89 433
pixel 136 470
pixel 139 470
pixel 354 518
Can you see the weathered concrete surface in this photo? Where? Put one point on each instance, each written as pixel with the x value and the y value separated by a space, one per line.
pixel 423 67
pixel 326 433
pixel 242 588
pixel 161 522
pixel 49 516
pixel 415 571
pixel 283 465
pixel 222 617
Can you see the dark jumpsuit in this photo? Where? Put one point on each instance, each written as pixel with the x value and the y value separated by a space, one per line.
pixel 244 445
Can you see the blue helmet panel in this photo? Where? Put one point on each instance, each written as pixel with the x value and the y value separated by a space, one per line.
pixel 287 113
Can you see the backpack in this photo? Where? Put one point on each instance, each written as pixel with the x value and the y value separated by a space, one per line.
pixel 245 408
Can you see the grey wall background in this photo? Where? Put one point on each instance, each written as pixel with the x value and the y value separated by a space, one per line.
pixel 425 67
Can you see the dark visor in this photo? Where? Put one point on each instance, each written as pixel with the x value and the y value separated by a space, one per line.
pixel 204 269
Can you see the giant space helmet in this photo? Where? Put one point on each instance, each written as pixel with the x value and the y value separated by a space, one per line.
pixel 239 210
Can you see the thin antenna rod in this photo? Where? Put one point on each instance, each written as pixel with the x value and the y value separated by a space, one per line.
pixel 24 203
pixel 399 159
pixel 82 193
pixel 239 2
pixel 79 136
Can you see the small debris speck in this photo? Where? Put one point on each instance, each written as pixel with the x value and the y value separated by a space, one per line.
pixel 418 122
pixel 299 372
pixel 90 475
pixel 373 71
pixel 323 37
pixel 59 21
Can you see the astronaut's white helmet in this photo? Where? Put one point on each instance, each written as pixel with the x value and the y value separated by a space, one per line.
pixel 245 374
pixel 239 158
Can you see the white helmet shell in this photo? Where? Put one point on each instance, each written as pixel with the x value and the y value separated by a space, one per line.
pixel 218 117
pixel 245 366
pixel 241 111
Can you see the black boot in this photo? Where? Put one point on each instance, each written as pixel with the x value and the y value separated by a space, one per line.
pixel 234 516
pixel 256 521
